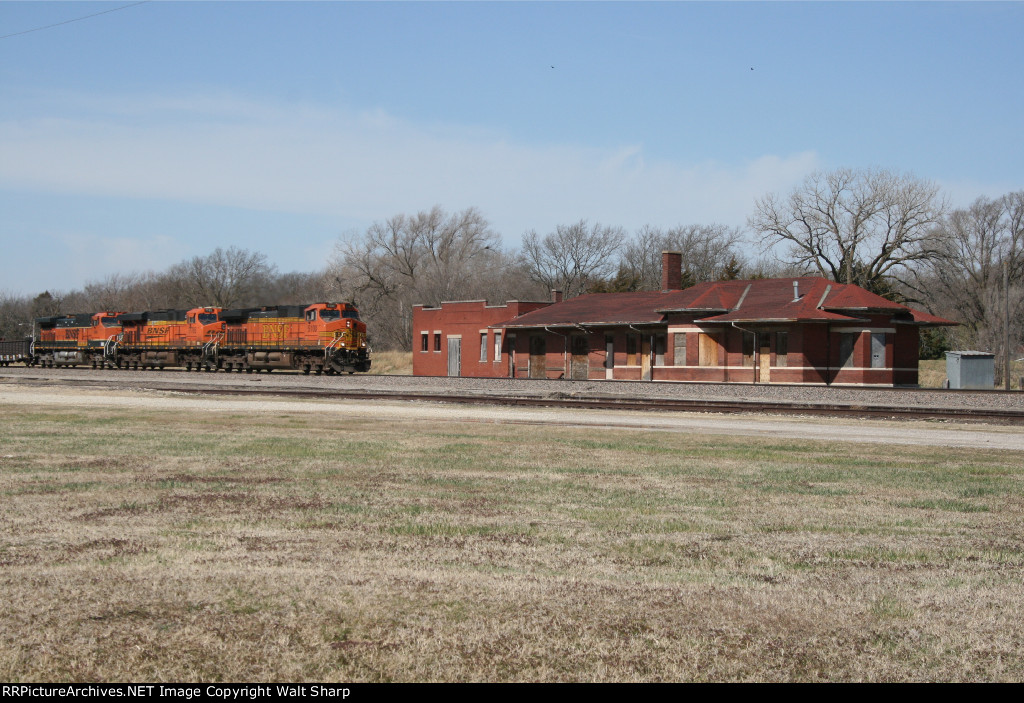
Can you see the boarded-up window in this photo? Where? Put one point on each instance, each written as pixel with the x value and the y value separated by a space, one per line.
pixel 679 352
pixel 538 357
pixel 781 348
pixel 708 349
pixel 659 350
pixel 483 346
pixel 497 345
pixel 748 349
pixel 609 351
pixel 847 341
pixel 632 350
pixel 580 360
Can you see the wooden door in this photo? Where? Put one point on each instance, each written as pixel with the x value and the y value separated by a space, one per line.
pixel 454 356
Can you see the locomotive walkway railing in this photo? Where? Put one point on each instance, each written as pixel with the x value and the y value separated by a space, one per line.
pixel 110 347
pixel 210 348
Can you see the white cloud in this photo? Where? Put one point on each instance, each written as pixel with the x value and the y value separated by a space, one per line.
pixel 365 165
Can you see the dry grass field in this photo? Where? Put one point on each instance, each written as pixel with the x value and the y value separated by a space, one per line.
pixel 932 374
pixel 233 546
pixel 392 363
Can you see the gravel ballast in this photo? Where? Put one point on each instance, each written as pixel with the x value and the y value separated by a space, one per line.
pixel 834 395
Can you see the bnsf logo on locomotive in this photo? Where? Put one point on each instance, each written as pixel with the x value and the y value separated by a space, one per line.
pixel 152 332
pixel 274 331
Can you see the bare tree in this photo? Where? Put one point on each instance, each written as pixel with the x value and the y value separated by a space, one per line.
pixel 709 252
pixel 224 278
pixel 46 304
pixel 573 256
pixel 298 287
pixel 116 292
pixel 15 316
pixel 426 258
pixel 966 280
pixel 854 226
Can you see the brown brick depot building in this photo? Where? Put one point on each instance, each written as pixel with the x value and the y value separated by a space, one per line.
pixel 786 330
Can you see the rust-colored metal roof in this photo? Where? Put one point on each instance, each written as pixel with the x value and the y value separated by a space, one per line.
pixel 777 300
pixel 813 299
pixel 595 309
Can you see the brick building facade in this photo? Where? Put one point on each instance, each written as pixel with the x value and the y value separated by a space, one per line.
pixel 792 330
pixel 457 339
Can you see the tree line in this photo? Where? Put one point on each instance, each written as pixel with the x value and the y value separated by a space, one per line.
pixel 891 233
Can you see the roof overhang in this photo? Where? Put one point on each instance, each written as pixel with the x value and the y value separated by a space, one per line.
pixel 778 320
pixel 577 325
pixel 694 310
pixel 925 323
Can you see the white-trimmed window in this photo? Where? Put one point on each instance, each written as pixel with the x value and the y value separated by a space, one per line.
pixel 483 346
pixel 497 345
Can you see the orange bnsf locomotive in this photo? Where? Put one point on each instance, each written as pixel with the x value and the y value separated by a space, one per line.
pixel 323 337
pixel 70 340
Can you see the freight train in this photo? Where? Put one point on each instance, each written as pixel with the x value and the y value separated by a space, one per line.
pixel 318 338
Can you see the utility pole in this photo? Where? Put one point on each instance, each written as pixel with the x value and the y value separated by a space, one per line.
pixel 1006 325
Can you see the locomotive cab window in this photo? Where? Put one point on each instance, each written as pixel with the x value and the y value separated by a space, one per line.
pixel 207 319
pixel 354 314
pixel 110 322
pixel 329 315
pixel 310 315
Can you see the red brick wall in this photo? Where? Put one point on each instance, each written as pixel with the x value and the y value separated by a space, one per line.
pixel 464 319
pixel 813 349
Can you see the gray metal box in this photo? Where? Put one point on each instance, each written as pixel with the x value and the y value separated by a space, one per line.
pixel 970 369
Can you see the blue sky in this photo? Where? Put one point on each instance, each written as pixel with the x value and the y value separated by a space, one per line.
pixel 137 138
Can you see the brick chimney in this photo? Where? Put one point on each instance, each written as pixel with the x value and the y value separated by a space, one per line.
pixel 671 270
pixel 556 296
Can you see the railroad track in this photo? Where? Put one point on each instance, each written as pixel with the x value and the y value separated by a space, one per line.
pixel 552 399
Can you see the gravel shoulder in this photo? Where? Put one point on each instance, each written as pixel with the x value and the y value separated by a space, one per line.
pixel 875 397
pixel 829 430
